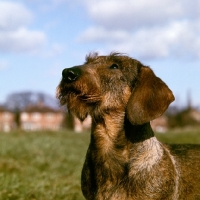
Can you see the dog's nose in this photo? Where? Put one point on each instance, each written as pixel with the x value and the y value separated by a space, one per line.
pixel 71 74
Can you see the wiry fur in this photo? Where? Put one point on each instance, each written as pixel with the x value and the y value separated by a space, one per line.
pixel 124 160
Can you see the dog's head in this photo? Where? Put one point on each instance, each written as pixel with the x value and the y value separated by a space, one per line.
pixel 114 83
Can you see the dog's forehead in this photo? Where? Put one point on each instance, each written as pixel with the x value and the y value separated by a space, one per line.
pixel 94 58
pixel 129 67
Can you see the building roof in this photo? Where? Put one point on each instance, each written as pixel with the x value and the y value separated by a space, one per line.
pixel 41 109
pixel 4 109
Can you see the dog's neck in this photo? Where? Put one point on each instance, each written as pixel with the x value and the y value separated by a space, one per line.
pixel 115 125
pixel 115 130
pixel 138 133
pixel 109 131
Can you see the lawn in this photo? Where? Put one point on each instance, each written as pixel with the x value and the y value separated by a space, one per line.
pixel 47 165
pixel 41 165
pixel 180 136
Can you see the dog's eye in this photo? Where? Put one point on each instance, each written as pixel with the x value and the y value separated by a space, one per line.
pixel 114 66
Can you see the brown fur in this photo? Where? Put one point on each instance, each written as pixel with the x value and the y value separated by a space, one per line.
pixel 124 160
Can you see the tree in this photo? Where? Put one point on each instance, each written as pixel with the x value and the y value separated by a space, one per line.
pixel 20 100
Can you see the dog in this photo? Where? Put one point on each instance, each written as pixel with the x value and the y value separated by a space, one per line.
pixel 124 160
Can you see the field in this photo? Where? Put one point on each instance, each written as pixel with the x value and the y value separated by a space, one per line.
pixel 47 165
pixel 41 165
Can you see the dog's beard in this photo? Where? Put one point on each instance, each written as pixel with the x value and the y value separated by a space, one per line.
pixel 79 103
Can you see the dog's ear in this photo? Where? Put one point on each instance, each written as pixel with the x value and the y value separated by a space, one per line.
pixel 149 99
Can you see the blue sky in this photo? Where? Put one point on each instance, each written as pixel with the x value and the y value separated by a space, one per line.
pixel 40 38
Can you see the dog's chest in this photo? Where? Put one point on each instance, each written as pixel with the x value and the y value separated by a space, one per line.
pixel 144 155
pixel 113 165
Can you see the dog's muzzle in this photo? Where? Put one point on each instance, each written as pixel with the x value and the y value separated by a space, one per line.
pixel 70 75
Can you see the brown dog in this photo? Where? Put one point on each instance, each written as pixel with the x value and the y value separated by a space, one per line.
pixel 124 160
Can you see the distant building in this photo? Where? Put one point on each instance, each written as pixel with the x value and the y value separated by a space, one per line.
pixel 160 124
pixel 7 120
pixel 82 126
pixel 41 117
pixel 195 115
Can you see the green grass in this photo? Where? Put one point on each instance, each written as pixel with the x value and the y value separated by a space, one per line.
pixel 41 166
pixel 180 136
pixel 47 165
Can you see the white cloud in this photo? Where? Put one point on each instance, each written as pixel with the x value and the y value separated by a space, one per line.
pixel 14 34
pixel 22 40
pixel 148 29
pixel 13 15
pixel 177 39
pixel 131 14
